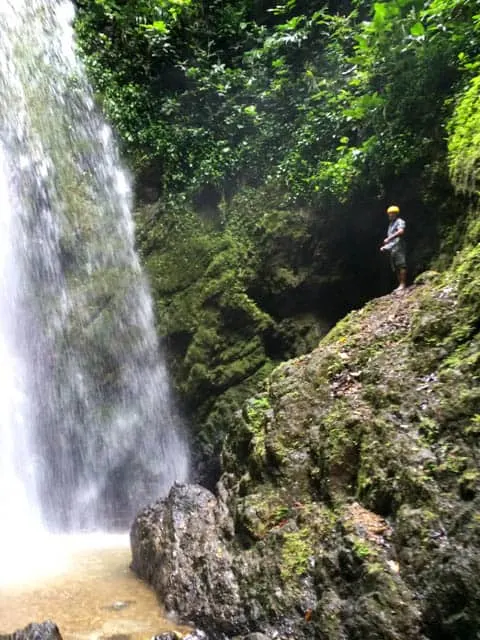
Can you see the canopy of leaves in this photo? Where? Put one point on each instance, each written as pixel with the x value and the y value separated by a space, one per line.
pixel 322 102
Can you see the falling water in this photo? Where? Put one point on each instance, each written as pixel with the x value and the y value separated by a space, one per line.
pixel 87 429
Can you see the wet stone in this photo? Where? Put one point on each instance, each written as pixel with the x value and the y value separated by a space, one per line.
pixel 119 605
pixel 44 631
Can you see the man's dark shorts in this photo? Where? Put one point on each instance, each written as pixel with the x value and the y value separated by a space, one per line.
pixel 398 259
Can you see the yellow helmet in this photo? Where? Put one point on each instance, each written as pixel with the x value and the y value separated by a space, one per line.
pixel 393 209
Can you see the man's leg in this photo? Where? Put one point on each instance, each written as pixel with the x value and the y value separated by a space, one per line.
pixel 400 264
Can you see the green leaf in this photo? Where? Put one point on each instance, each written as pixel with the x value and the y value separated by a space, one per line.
pixel 380 13
pixel 159 25
pixel 417 30
pixel 291 25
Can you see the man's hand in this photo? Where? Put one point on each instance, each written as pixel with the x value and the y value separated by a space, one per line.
pixel 384 245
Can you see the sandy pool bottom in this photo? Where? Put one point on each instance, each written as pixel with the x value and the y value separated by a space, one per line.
pixel 92 595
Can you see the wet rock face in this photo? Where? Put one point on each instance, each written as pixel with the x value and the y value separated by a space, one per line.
pixel 348 505
pixel 234 298
pixel 36 631
pixel 180 546
pixel 183 546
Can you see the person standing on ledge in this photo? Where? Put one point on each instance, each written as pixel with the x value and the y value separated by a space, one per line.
pixel 394 243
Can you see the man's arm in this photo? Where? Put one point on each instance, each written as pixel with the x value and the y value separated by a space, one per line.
pixel 400 230
pixel 397 234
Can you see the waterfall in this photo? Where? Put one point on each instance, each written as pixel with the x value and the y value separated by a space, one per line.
pixel 88 431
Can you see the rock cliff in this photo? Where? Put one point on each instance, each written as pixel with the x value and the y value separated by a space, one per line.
pixel 349 498
pixel 253 282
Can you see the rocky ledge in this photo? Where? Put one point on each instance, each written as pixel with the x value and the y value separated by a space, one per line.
pixel 349 504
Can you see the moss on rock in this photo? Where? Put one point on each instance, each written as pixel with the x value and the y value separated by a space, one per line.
pixel 226 293
pixel 351 479
pixel 357 473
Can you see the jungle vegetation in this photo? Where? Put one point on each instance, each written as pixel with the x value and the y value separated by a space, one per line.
pixel 328 102
pixel 266 139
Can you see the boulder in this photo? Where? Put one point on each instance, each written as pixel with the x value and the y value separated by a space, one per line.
pixel 47 630
pixel 180 545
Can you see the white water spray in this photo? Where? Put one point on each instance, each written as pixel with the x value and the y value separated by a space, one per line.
pixel 88 434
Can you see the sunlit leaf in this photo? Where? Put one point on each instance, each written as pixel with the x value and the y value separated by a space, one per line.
pixel 160 26
pixel 417 30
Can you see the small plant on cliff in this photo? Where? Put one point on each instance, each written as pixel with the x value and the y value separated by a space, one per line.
pixel 296 553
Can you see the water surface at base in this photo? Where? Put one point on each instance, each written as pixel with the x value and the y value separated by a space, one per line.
pixel 94 595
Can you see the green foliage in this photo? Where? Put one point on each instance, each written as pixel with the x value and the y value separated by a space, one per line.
pixel 319 102
pixel 296 552
pixel 464 142
pixel 273 134
pixel 362 549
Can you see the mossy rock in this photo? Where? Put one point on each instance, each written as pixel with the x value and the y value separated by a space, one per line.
pixel 375 434
pixel 218 287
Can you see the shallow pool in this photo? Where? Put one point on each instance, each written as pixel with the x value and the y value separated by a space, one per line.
pixel 91 593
